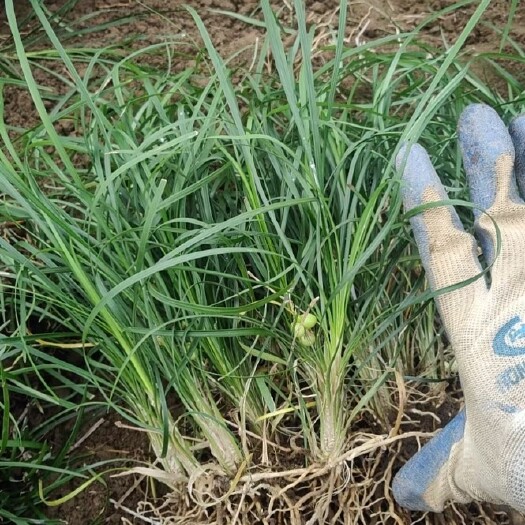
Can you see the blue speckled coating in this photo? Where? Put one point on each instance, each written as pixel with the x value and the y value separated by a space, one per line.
pixel 483 138
pixel 419 175
pixel 517 133
pixel 414 481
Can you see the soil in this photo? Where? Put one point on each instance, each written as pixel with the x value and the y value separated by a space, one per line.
pixel 158 20
pixel 104 439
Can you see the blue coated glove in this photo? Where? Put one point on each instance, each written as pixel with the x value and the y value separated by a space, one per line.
pixel 480 454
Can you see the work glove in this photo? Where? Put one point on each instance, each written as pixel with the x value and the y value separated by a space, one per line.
pixel 480 454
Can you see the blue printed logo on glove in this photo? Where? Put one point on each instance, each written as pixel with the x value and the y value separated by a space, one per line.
pixel 510 339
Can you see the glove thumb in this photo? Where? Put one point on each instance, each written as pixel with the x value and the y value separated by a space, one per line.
pixel 426 481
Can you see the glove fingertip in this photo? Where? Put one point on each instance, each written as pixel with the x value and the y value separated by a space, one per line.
pixel 483 136
pixel 484 140
pixel 419 176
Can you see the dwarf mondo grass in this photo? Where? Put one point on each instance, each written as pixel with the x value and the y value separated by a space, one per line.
pixel 228 260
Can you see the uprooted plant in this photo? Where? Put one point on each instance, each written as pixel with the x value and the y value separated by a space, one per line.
pixel 229 260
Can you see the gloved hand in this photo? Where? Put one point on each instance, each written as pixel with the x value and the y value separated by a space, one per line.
pixel 480 454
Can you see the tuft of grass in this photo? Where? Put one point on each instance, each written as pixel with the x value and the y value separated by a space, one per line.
pixel 172 246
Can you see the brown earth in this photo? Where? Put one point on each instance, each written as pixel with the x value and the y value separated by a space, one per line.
pixel 159 20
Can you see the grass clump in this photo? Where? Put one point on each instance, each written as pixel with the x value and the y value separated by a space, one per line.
pixel 226 265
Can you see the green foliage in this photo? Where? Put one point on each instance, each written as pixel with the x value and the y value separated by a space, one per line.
pixel 177 242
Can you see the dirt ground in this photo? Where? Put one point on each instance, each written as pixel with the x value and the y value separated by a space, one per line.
pixel 161 20
pixel 167 19
pixel 367 20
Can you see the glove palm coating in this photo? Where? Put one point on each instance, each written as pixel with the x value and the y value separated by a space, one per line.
pixel 480 454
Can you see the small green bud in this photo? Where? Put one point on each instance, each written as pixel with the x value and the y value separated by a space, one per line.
pixel 308 320
pixel 299 330
pixel 308 339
